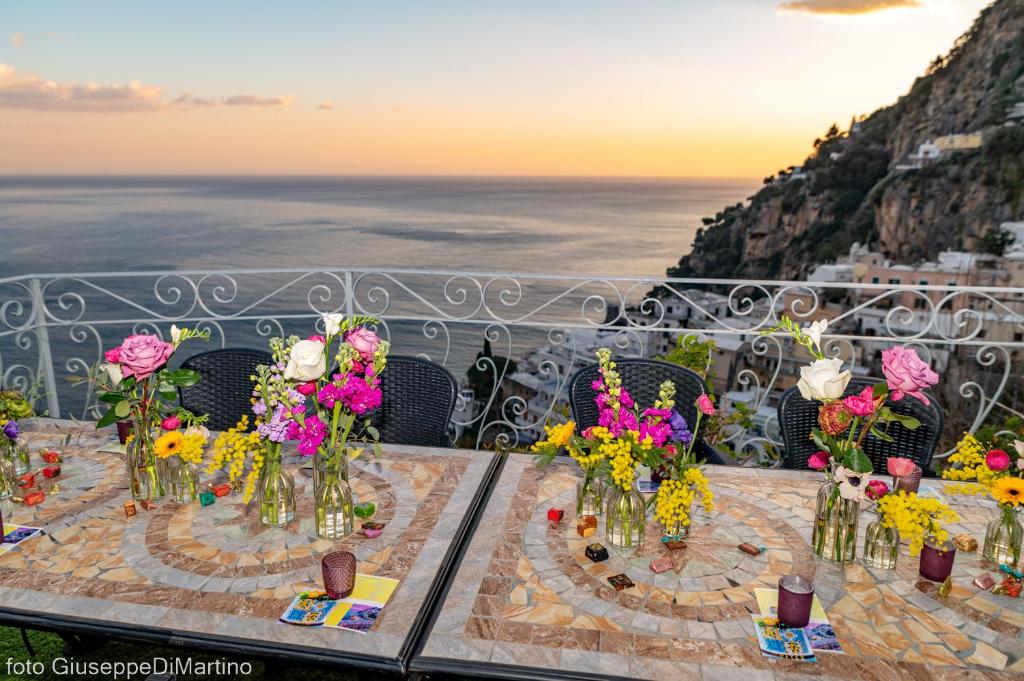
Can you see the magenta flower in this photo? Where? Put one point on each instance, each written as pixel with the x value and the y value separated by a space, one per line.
pixel 876 489
pixel 906 373
pixel 818 461
pixel 172 422
pixel 706 406
pixel 306 389
pixel 310 435
pixel 862 404
pixel 113 356
pixel 997 460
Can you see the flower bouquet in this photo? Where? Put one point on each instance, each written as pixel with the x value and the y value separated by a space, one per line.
pixel 902 515
pixel 13 407
pixel 844 424
pixel 137 384
pixel 624 438
pixel 185 449
pixel 979 469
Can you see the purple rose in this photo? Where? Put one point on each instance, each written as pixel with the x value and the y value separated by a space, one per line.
pixel 906 373
pixel 11 430
pixel 142 355
pixel 364 341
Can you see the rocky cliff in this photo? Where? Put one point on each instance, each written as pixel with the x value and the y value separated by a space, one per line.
pixel 850 188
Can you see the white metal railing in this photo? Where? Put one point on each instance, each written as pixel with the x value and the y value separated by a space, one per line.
pixel 57 325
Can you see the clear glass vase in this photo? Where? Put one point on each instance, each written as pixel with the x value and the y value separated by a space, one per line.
pixel 335 517
pixel 881 546
pixel 589 495
pixel 677 529
pixel 143 474
pixel 625 516
pixel 8 480
pixel 834 535
pixel 1003 537
pixel 186 482
pixel 18 454
pixel 276 489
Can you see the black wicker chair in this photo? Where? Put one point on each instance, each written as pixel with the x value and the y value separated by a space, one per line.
pixel 642 378
pixel 417 403
pixel 797 417
pixel 224 391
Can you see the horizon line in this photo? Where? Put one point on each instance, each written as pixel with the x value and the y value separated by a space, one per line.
pixel 459 176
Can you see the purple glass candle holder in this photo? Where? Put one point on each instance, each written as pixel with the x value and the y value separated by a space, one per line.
pixel 124 429
pixel 908 483
pixel 339 573
pixel 795 597
pixel 937 560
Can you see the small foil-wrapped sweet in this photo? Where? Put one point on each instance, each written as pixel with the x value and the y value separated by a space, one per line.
pixel 965 542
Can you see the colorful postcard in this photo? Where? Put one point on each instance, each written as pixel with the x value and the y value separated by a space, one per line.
pixel 645 486
pixel 818 631
pixel 15 534
pixel 358 612
pixel 781 642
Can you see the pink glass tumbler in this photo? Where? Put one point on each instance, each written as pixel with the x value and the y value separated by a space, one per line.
pixel 937 560
pixel 795 597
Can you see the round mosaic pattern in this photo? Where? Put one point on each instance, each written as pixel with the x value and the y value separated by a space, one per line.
pixel 711 578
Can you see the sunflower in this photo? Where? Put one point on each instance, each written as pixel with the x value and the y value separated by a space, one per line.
pixel 1008 490
pixel 168 444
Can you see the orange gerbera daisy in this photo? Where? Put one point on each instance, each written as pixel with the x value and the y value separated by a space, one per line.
pixel 1008 490
pixel 168 444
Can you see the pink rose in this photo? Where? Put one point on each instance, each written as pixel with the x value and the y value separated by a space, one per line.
pixel 318 339
pixel 364 341
pixel 141 355
pixel 862 404
pixel 906 373
pixel 706 406
pixel 306 388
pixel 113 356
pixel 172 422
pixel 818 460
pixel 997 460
pixel 876 490
pixel 899 466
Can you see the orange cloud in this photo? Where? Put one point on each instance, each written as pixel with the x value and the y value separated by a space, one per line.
pixel 31 91
pixel 18 39
pixel 845 6
pixel 326 105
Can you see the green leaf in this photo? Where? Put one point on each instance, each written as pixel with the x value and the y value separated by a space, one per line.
pixel 881 436
pixel 373 432
pixel 180 377
pixel 167 391
pixel 111 398
pixel 857 461
pixel 107 419
pixel 377 451
pixel 908 422
pixel 816 436
pixel 122 409
pixel 881 388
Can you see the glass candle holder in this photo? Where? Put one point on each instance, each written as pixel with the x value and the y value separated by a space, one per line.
pixel 124 429
pixel 908 483
pixel 339 570
pixel 937 560
pixel 795 597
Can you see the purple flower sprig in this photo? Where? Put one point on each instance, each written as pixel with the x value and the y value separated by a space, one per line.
pixel 12 430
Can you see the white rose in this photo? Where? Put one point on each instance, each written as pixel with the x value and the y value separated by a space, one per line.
pixel 332 323
pixel 307 362
pixel 823 380
pixel 815 331
pixel 114 371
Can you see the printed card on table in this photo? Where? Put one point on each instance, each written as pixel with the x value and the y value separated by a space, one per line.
pixel 781 642
pixel 358 612
pixel 15 534
pixel 819 633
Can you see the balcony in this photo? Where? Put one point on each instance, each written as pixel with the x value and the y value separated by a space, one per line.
pixel 54 327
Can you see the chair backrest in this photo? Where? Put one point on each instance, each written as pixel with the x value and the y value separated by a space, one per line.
pixel 643 379
pixel 224 391
pixel 798 416
pixel 417 403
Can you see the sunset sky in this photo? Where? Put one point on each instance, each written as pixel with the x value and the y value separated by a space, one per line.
pixel 726 88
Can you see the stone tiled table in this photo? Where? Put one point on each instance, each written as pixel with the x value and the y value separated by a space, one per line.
pixel 215 576
pixel 526 601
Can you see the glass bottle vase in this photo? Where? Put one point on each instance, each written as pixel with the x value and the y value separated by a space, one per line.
pixel 881 546
pixel 276 489
pixel 677 529
pixel 186 483
pixel 625 517
pixel 1003 537
pixel 18 455
pixel 589 495
pixel 8 480
pixel 834 536
pixel 144 478
pixel 333 499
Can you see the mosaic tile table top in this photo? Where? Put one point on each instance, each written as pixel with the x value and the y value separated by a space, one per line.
pixel 216 571
pixel 525 593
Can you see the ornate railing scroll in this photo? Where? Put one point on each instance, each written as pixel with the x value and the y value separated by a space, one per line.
pixel 537 328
